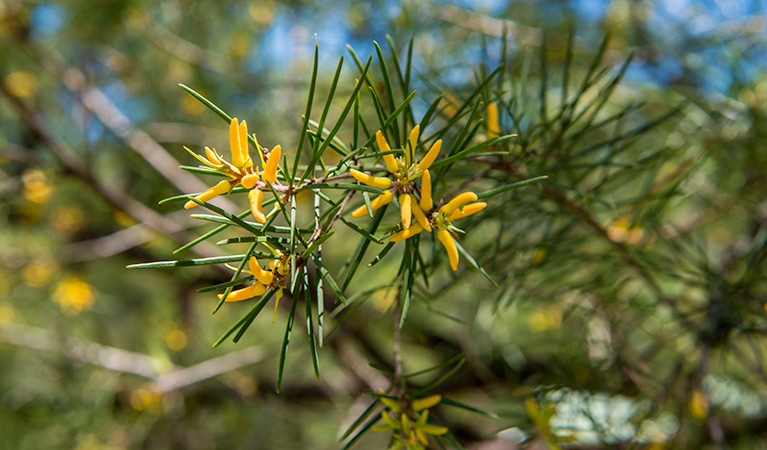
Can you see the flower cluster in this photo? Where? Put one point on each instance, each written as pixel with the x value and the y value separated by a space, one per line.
pixel 441 220
pixel 406 171
pixel 409 422
pixel 241 170
pixel 274 278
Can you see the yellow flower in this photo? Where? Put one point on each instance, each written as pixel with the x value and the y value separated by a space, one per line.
pixel 411 428
pixel 405 170
pixel 37 187
pixel 74 295
pixel 241 170
pixel 459 207
pixel 274 278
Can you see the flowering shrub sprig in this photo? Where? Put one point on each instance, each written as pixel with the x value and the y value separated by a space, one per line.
pixel 294 251
pixel 409 421
pixel 241 170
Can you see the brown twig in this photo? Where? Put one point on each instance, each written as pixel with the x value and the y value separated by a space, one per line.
pixel 124 361
pixel 110 115
pixel 70 162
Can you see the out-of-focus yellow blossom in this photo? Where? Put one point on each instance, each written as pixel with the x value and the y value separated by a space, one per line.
pixel 21 84
pixel 241 170
pixel 493 126
pixel 176 339
pixel 67 220
pixel 449 104
pixel 623 230
pixel 123 219
pixel 146 398
pixel 383 299
pixel 698 405
pixel 7 312
pixel 405 170
pixel 408 421
pixel 539 256
pixel 549 318
pixel 441 219
pixel 74 295
pixel 37 187
pixel 39 273
pixel 190 105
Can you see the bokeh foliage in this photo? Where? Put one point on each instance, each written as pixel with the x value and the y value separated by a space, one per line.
pixel 632 289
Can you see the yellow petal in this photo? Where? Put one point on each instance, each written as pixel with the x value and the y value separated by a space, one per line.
pixel 263 276
pixel 422 420
pixel 359 212
pixel 381 200
pixel 433 429
pixel 413 141
pixel 243 139
pixel 389 420
pixel 249 180
pixel 221 188
pixel 277 297
pixel 427 160
pixel 405 210
pixel 420 216
pixel 426 201
pixel 405 421
pixel 256 196
pixel 698 405
pixel 408 233
pixel 260 151
pixel 421 436
pixel 426 402
pixel 493 127
pixel 467 211
pixel 212 156
pixel 457 202
pixel 391 163
pixel 234 143
pixel 391 403
pixel 370 180
pixel 270 171
pixel 244 293
pixel 449 243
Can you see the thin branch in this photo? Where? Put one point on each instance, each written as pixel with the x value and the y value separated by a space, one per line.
pixel 124 361
pixel 179 47
pixel 110 115
pixel 71 162
pixel 86 352
pixel 210 368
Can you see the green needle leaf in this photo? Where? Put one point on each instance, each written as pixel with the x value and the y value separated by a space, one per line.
pixel 286 341
pixel 325 274
pixel 310 323
pixel 309 100
pixel 186 262
pixel 508 187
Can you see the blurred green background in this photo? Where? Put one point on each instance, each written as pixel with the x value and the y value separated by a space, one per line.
pixel 92 124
